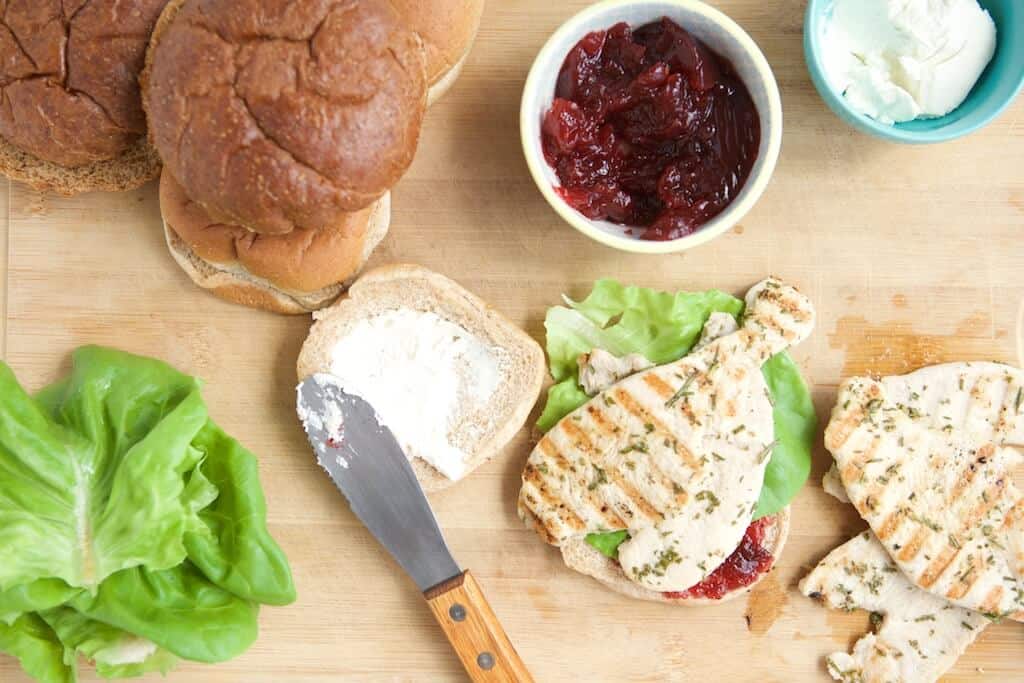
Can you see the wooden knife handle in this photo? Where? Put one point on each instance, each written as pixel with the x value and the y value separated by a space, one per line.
pixel 475 633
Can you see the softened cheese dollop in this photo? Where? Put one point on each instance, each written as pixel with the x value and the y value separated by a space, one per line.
pixel 422 374
pixel 898 60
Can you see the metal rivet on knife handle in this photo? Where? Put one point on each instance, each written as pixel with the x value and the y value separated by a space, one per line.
pixel 482 645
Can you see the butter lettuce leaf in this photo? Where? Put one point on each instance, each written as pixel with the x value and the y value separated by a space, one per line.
pixel 663 327
pixel 38 649
pixel 132 528
pixel 796 425
pixel 42 594
pixel 622 320
pixel 608 543
pixel 178 609
pixel 233 548
pixel 115 653
pixel 95 470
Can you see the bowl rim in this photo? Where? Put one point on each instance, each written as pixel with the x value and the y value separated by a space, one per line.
pixel 813 16
pixel 733 212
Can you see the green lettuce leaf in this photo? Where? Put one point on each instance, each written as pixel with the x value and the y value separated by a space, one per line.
pixel 608 543
pixel 235 550
pixel 37 648
pixel 93 482
pixel 36 596
pixel 132 529
pixel 563 398
pixel 622 320
pixel 664 327
pixel 178 609
pixel 796 425
pixel 115 653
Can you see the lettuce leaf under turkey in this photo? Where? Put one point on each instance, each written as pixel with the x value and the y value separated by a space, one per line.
pixel 663 327
pixel 132 529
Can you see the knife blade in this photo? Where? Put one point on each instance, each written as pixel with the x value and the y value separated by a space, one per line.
pixel 370 469
pixel 365 462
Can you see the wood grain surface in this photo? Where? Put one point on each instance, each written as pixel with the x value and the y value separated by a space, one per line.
pixel 912 256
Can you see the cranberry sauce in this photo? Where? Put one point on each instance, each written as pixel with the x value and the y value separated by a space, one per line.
pixel 650 128
pixel 740 569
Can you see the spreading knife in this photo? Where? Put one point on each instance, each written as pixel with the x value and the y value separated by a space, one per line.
pixel 368 466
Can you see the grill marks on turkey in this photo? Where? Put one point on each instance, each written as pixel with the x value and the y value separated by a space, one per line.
pixel 925 458
pixel 675 454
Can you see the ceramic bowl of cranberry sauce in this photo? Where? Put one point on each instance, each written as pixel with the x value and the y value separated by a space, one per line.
pixel 651 127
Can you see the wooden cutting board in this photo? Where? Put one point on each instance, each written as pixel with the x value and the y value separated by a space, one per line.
pixel 912 255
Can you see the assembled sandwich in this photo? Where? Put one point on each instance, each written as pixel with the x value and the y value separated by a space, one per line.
pixel 675 439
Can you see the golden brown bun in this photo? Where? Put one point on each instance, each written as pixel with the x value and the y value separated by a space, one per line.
pixel 448 29
pixel 300 272
pixel 302 260
pixel 70 73
pixel 584 558
pixel 278 114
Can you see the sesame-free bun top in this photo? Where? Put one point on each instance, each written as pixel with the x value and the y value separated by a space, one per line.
pixel 69 71
pixel 300 261
pixel 447 28
pixel 284 114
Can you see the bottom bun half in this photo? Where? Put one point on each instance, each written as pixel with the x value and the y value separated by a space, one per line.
pixel 134 167
pixel 295 273
pixel 584 558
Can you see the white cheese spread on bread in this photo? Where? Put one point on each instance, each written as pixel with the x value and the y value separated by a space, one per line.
pixel 418 370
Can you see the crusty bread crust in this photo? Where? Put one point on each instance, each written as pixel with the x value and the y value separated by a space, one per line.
pixel 584 558
pixel 135 167
pixel 280 180
pixel 448 29
pixel 232 282
pixel 299 261
pixel 438 89
pixel 415 287
pixel 162 22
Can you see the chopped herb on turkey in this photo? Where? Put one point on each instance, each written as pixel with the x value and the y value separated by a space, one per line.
pixel 664 327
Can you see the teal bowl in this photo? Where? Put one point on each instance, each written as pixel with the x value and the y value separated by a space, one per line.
pixel 995 90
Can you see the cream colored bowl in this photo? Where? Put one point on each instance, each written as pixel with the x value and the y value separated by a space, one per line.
pixel 718 32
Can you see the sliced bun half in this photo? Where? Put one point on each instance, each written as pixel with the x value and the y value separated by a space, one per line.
pixel 134 167
pixel 484 429
pixel 584 558
pixel 447 29
pixel 295 273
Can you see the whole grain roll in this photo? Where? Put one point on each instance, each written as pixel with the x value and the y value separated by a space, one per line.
pixel 69 72
pixel 280 115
